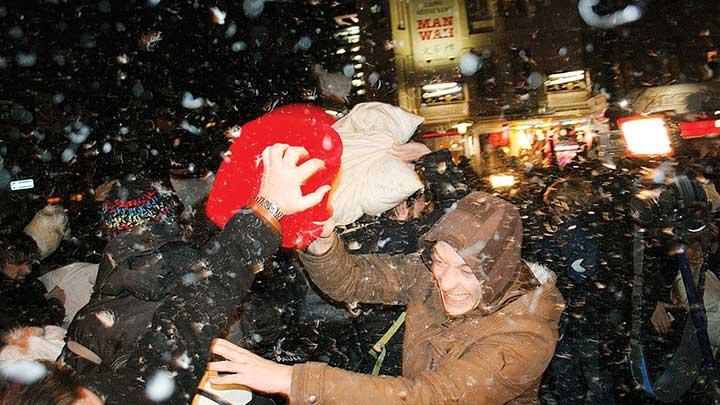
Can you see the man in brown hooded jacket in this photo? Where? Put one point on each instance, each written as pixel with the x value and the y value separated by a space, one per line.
pixel 481 325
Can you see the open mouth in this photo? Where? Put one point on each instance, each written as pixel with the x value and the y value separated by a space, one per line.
pixel 456 298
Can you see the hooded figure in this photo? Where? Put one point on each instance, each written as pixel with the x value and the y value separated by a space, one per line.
pixel 481 324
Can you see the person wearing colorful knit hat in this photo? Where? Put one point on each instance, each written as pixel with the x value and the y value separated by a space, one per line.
pixel 131 204
pixel 159 300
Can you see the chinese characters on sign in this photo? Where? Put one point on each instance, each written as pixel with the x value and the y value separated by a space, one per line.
pixel 435 29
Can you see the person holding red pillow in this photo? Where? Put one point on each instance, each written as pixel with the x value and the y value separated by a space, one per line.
pixel 158 300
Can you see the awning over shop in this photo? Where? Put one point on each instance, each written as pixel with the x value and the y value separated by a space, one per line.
pixel 677 98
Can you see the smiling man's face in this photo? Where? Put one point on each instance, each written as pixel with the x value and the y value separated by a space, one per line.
pixel 459 287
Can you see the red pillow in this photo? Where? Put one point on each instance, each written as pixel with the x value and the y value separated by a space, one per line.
pixel 238 179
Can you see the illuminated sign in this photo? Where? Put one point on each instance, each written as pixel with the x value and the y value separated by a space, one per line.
pixel 699 129
pixel 435 29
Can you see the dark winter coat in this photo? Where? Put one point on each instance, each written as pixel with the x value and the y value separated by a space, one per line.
pixel 167 301
pixel 23 303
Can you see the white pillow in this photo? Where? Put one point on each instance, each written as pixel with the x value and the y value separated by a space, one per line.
pixel 77 280
pixel 371 179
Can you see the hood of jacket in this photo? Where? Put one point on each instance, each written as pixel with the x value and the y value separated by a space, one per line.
pixel 486 231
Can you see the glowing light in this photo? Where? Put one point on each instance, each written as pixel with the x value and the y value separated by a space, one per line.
pixel 340 51
pixel 439 86
pixel 524 140
pixel 646 136
pixel 462 127
pixel 565 77
pixel 502 180
pixel 623 103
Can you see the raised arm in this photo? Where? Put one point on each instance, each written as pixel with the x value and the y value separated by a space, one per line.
pixel 183 327
pixel 381 279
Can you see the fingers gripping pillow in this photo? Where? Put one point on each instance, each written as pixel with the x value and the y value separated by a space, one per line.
pixel 371 179
pixel 238 179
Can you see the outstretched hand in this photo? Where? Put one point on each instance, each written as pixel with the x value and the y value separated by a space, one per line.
pixel 248 369
pixel 282 178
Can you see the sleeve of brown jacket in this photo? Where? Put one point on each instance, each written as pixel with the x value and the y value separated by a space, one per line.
pixel 495 370
pixel 372 279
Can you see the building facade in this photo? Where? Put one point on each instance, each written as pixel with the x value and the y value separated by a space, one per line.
pixel 500 71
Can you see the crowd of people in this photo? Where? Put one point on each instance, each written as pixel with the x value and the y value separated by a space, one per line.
pixel 490 312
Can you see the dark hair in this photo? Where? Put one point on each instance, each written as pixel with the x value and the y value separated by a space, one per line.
pixel 60 386
pixel 17 248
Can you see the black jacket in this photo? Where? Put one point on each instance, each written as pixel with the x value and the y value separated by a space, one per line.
pixel 23 303
pixel 169 300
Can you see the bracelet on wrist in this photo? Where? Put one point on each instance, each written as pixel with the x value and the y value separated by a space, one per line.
pixel 270 206
pixel 262 211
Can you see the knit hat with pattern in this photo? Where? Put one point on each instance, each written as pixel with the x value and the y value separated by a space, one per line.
pixel 131 204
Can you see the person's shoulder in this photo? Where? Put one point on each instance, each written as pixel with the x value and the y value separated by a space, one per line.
pixel 534 293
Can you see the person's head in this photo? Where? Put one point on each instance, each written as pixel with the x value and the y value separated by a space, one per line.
pixel 460 289
pixel 130 204
pixel 59 386
pixel 414 207
pixel 474 253
pixel 18 252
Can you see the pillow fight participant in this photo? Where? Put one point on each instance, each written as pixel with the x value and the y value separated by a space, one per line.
pixel 158 301
pixel 24 301
pixel 481 324
pixel 284 318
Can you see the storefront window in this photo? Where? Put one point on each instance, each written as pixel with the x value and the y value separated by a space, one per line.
pixel 566 81
pixel 442 93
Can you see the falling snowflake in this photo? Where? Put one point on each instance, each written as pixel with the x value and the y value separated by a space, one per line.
pixel 106 318
pixel 160 386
